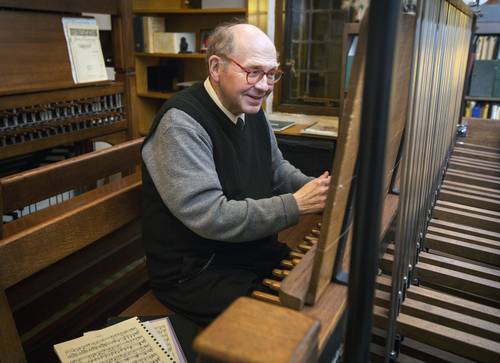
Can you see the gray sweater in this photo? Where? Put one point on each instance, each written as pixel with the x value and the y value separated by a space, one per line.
pixel 179 159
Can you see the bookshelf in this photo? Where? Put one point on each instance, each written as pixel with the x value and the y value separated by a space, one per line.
pixel 182 67
pixel 483 95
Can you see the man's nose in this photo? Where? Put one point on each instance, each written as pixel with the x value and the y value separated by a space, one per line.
pixel 262 84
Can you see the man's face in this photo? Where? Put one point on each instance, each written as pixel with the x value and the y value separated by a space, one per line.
pixel 237 95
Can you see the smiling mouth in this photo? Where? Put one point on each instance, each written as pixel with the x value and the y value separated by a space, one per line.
pixel 257 98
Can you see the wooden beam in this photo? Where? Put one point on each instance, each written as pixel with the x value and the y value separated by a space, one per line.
pixel 458 280
pixel 31 186
pixel 477 154
pixel 295 286
pixel 470 219
pixel 468 208
pixel 451 319
pixel 468 145
pixel 469 238
pixel 386 263
pixel 474 168
pixel 463 249
pixel 461 228
pixel 472 200
pixel 464 344
pixel 472 178
pixel 473 161
pixel 67 233
pixel 454 303
pixel 493 193
pixel 461 266
pixel 277 335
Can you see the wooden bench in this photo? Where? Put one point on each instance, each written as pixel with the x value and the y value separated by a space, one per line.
pixel 68 267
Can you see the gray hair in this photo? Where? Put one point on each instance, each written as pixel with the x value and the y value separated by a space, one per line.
pixel 221 41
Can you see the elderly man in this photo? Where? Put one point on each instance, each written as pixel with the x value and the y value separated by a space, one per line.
pixel 216 187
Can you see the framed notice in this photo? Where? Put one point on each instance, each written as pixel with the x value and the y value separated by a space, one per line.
pixel 84 49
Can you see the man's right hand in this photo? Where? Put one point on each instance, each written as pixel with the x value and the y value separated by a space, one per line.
pixel 311 198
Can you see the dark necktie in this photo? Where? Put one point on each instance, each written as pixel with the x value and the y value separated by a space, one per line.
pixel 240 124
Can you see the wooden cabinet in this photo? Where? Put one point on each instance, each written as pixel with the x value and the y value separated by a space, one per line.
pixel 185 66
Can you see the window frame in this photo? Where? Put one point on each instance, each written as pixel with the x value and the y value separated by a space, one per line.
pixel 278 104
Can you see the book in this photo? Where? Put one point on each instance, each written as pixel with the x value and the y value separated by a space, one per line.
pixel 468 108
pixel 483 78
pixel 281 125
pixel 485 110
pixel 476 110
pixel 129 340
pixel 138 34
pixel 479 47
pixel 495 112
pixel 84 50
pixel 151 25
pixel 496 84
pixel 322 130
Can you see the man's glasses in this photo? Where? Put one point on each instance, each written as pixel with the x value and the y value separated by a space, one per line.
pixel 255 75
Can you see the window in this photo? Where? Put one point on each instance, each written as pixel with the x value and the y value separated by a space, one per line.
pixel 310 33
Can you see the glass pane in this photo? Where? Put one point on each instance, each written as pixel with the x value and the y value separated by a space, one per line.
pixel 313 51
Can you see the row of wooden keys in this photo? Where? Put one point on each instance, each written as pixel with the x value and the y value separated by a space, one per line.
pixel 296 255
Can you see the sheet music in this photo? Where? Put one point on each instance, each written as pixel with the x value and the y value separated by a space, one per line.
pixel 84 48
pixel 126 341
pixel 164 329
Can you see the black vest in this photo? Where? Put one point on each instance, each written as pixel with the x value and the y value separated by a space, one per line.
pixel 243 164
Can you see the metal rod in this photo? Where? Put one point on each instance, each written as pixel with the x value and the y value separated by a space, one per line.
pixel 382 29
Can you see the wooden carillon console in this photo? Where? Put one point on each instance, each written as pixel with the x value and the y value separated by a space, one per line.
pixel 438 291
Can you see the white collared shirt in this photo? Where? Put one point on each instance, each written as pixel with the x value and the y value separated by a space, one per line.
pixel 215 98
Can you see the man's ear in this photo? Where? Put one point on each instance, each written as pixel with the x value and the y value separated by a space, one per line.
pixel 214 67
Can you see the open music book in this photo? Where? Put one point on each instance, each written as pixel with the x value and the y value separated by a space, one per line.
pixel 130 340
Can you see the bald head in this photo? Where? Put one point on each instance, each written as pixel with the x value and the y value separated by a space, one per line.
pixel 249 40
pixel 239 39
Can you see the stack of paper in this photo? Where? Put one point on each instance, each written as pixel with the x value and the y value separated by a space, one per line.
pixel 130 340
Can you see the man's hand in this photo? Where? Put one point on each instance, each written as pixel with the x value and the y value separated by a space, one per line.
pixel 311 198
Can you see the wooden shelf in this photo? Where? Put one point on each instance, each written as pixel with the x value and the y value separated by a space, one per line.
pixel 173 55
pixel 159 95
pixel 484 99
pixel 190 11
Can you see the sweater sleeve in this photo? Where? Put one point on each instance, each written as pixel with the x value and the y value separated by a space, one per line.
pixel 179 158
pixel 286 177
